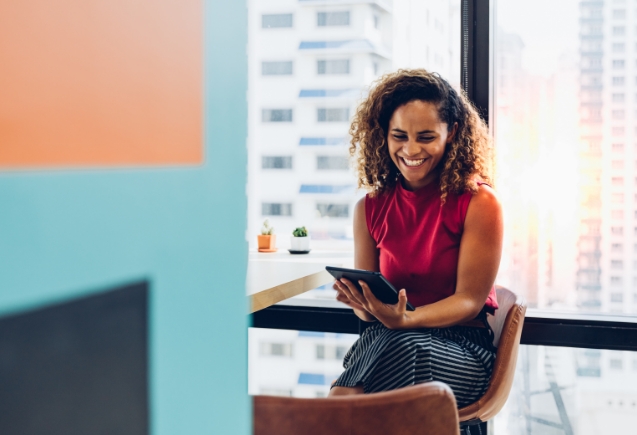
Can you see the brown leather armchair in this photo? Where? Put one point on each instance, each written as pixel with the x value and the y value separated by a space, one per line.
pixel 417 410
pixel 507 328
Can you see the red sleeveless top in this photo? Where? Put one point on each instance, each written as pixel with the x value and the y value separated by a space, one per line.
pixel 419 241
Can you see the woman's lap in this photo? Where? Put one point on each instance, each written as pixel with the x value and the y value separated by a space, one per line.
pixel 384 359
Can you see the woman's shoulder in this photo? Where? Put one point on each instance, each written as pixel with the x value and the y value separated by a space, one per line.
pixel 484 194
pixel 479 196
pixel 484 203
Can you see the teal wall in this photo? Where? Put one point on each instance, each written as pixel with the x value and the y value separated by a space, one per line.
pixel 66 233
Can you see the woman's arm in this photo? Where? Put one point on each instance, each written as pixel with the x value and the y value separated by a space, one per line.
pixel 478 262
pixel 365 257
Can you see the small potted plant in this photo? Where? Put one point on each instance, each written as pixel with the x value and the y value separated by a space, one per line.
pixel 300 241
pixel 267 238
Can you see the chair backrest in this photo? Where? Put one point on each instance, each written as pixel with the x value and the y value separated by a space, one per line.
pixel 507 328
pixel 417 410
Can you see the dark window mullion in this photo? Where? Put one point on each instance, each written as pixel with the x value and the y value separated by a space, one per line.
pixel 476 41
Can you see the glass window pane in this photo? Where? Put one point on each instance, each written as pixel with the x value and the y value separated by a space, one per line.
pixel 269 21
pixel 340 114
pixel 276 68
pixel 332 162
pixel 333 210
pixel 277 115
pixel 276 209
pixel 276 162
pixel 564 390
pixel 332 66
pixel 561 109
pixel 303 364
pixel 339 18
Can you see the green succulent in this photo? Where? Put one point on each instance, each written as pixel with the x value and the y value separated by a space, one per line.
pixel 300 232
pixel 267 230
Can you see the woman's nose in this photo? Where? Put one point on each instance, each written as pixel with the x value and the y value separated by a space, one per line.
pixel 411 148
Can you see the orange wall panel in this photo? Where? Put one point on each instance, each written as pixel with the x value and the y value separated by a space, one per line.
pixel 100 83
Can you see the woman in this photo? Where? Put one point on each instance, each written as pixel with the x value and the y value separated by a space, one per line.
pixel 432 226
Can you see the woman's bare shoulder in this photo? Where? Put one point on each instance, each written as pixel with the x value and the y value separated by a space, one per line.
pixel 484 205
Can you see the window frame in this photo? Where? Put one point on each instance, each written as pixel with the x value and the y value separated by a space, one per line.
pixel 541 327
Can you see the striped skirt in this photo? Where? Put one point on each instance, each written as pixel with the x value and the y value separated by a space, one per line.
pixel 383 359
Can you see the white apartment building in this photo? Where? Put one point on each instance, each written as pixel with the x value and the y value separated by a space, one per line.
pixel 608 77
pixel 310 64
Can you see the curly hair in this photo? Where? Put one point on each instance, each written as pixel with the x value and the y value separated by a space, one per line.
pixel 468 157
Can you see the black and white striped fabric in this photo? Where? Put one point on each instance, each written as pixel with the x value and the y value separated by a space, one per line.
pixel 383 359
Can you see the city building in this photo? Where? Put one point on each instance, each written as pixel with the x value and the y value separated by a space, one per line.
pixel 310 64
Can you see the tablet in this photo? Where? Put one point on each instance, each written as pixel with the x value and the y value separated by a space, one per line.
pixel 382 289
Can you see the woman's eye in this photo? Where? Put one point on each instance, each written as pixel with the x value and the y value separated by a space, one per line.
pixel 397 137
pixel 426 138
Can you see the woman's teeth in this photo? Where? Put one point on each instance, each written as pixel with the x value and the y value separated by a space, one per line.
pixel 413 162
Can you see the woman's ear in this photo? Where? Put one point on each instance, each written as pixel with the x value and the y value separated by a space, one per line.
pixel 452 132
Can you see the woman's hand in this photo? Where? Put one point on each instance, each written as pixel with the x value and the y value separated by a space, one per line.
pixel 359 310
pixel 342 297
pixel 392 316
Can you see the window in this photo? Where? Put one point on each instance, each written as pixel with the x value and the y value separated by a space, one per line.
pixel 618 64
pixel 276 115
pixel 334 352
pixel 320 351
pixel 376 21
pixel 617 181
pixel 332 162
pixel 619 47
pixel 617 164
pixel 618 98
pixel 618 131
pixel 619 14
pixel 276 349
pixel 618 81
pixel 276 68
pixel 616 280
pixel 271 21
pixel 617 198
pixel 618 114
pixel 332 66
pixel 276 209
pixel 276 162
pixel 340 18
pixel 619 30
pixel 617 214
pixel 616 264
pixel 333 210
pixel 340 352
pixel 618 147
pixel 617 231
pixel 616 364
pixel 616 247
pixel 332 115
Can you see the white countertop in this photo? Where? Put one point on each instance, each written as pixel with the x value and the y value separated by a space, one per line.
pixel 278 276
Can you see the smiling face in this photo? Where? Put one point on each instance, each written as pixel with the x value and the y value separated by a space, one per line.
pixel 417 139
